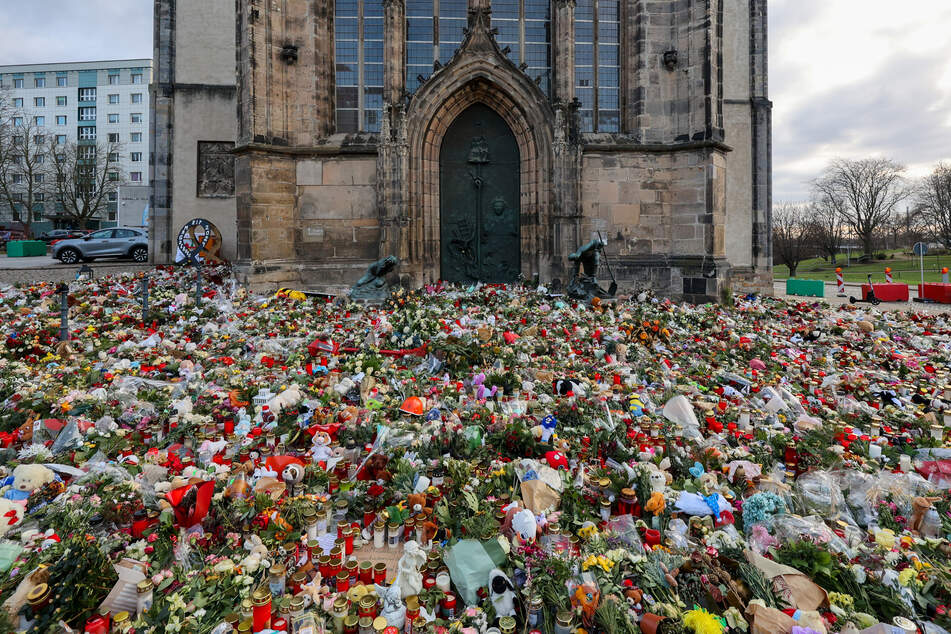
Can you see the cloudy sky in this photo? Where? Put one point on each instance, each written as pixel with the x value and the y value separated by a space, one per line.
pixel 848 78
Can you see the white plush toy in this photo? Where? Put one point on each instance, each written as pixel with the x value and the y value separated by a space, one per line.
pixel 26 478
pixel 501 593
pixel 10 513
pixel 285 400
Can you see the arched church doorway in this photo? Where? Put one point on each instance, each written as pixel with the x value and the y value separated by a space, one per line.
pixel 479 199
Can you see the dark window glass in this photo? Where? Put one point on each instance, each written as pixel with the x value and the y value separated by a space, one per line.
pixel 371 120
pixel 347 120
pixel 373 74
pixel 446 51
pixel 373 29
pixel 508 31
pixel 419 8
pixel 346 8
pixel 584 10
pixel 450 30
pixel 607 31
pixel 505 9
pixel 346 28
pixel 608 54
pixel 373 9
pixel 536 31
pixel 346 75
pixel 609 76
pixel 584 31
pixel 584 77
pixel 347 97
pixel 587 119
pixel 372 52
pixel 536 55
pixel 347 51
pixel 608 120
pixel 419 29
pixel 585 95
pixel 373 98
pixel 453 8
pixel 584 54
pixel 607 98
pixel 421 54
pixel 537 9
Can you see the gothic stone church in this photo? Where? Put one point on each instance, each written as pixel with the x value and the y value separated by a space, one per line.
pixel 474 139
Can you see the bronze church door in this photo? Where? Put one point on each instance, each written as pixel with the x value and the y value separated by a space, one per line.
pixel 479 199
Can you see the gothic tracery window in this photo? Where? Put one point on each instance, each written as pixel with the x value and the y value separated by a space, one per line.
pixel 525 28
pixel 358 35
pixel 597 64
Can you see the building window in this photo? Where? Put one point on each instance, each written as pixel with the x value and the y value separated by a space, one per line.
pixel 113 157
pixel 136 157
pixel 17 121
pixel 60 139
pixel 61 101
pixel 18 83
pixel 430 39
pixel 39 178
pixel 39 139
pixel 61 82
pixel 136 78
pixel 114 117
pixel 87 94
pixel 18 102
pixel 525 29
pixel 113 175
pixel 87 114
pixel 87 133
pixel 39 121
pixel 135 137
pixel 136 97
pixel 40 82
pixel 135 177
pixel 114 100
pixel 136 117
pixel 40 159
pixel 60 119
pixel 39 102
pixel 597 64
pixel 359 58
pixel 113 137
pixel 114 79
pixel 113 196
pixel 39 197
pixel 215 169
pixel 18 179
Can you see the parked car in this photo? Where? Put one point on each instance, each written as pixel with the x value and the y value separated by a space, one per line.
pixel 106 243
pixel 50 237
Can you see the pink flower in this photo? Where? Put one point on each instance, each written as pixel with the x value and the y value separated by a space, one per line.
pixel 152 537
pixel 157 579
pixel 149 550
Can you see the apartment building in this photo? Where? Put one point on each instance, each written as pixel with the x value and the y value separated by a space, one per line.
pixel 103 102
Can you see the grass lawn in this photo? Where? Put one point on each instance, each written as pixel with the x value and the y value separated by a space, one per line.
pixel 904 269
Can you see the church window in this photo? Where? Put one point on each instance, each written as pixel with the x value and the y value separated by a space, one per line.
pixel 525 28
pixel 433 34
pixel 358 38
pixel 597 64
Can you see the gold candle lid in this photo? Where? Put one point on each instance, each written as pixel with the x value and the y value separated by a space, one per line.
pixel 351 620
pixel 278 569
pixel 260 597
pixel 144 586
pixel 121 617
pixel 38 594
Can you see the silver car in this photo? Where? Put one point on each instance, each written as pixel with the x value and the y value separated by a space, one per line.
pixel 106 243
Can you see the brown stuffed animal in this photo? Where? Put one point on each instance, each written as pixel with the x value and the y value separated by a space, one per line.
pixel 417 504
pixel 375 468
pixel 920 506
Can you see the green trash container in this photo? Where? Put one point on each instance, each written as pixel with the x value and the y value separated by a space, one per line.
pixel 807 288
pixel 25 248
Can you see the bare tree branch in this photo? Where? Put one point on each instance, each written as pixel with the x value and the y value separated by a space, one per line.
pixel 792 234
pixel 869 191
pixel 25 174
pixel 85 177
pixel 933 203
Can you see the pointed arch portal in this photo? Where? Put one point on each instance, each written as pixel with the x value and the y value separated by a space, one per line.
pixel 479 199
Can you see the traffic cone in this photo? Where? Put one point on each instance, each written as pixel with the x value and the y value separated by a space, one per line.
pixel 944 275
pixel 888 275
pixel 840 282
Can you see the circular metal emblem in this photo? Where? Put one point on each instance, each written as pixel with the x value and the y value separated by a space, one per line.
pixel 198 241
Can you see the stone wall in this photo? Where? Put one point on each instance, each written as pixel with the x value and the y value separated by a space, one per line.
pixel 337 217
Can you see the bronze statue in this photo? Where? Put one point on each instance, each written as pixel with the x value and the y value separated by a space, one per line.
pixel 584 283
pixel 373 287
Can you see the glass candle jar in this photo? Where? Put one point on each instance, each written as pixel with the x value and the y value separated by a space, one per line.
pixel 340 610
pixel 298 580
pixel 261 610
pixel 507 625
pixel 412 609
pixel 535 605
pixel 367 606
pixel 379 533
pixel 121 624
pixel 352 568
pixel 379 573
pixel 393 535
pixel 321 522
pixel 343 581
pixel 366 625
pixel 349 533
pixel 443 581
pixel 379 624
pixel 143 596
pixel 448 605
pixel 351 624
pixel 605 506
pixel 563 622
pixel 276 581
pixel 366 572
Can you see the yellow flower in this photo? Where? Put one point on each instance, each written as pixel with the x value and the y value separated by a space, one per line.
pixel 905 576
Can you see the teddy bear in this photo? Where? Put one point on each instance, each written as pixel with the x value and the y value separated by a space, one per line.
pixel 257 554
pixel 10 513
pixel 26 478
pixel 417 504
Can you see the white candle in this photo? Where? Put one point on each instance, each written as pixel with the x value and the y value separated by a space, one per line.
pixel 904 462
pixel 874 451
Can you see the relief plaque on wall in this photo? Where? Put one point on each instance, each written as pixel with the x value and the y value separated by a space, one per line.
pixel 215 169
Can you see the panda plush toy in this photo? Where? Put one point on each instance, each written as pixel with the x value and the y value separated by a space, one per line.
pixel 501 593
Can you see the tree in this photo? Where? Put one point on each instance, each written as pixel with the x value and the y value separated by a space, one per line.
pixel 870 190
pixel 933 202
pixel 828 228
pixel 85 177
pixel 792 235
pixel 25 174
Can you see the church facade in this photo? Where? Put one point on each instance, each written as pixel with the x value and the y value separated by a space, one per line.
pixel 473 139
